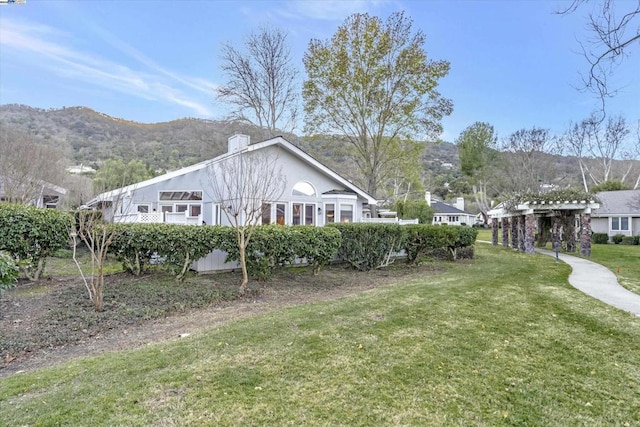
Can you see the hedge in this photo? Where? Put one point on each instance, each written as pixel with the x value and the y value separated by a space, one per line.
pixel 31 234
pixel 630 240
pixel 617 239
pixel 425 240
pixel 178 246
pixel 367 246
pixel 600 238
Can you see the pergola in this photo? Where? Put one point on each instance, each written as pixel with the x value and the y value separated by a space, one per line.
pixel 553 220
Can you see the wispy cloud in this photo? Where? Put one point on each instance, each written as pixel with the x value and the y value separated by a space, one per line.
pixel 330 10
pixel 54 51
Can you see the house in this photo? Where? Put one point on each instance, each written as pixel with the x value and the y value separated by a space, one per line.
pixel 39 194
pixel 455 214
pixel 313 195
pixel 619 213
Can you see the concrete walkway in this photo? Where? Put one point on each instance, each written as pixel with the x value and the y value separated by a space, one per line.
pixel 599 282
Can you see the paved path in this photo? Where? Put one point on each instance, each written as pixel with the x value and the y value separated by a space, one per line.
pixel 599 282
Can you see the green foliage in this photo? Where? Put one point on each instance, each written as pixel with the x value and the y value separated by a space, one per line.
pixel 613 185
pixel 372 84
pixel 630 240
pixel 31 234
pixel 178 246
pixel 600 238
pixel 476 149
pixel 115 173
pixel 423 240
pixel 9 271
pixel 411 209
pixel 370 246
pixel 273 246
pixel 617 239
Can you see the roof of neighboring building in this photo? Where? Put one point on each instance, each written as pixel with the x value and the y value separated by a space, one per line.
pixel 443 208
pixel 618 203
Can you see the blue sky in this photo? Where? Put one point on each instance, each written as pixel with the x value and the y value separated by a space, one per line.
pixel 514 64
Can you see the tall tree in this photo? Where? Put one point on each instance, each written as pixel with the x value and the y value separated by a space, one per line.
pixel 477 151
pixel 615 28
pixel 26 166
pixel 373 85
pixel 262 81
pixel 245 185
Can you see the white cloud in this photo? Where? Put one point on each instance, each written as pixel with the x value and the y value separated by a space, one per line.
pixel 53 51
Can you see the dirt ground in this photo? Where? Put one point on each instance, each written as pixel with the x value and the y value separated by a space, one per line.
pixel 24 309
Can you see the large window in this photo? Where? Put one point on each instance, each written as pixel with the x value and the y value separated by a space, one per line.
pixel 620 223
pixel 266 213
pixel 346 212
pixel 303 213
pixel 180 195
pixel 329 213
pixel 303 188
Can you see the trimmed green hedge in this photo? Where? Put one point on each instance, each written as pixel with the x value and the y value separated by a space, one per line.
pixel 367 246
pixel 600 238
pixel 630 240
pixel 617 239
pixel 426 240
pixel 31 234
pixel 178 246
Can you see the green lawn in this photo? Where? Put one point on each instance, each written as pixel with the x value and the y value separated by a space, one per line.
pixel 501 340
pixel 623 260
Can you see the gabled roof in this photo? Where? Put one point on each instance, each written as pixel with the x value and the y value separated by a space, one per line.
pixel 443 208
pixel 625 202
pixel 276 141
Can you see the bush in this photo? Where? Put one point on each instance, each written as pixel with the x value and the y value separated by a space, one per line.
pixel 9 271
pixel 630 240
pixel 617 239
pixel 600 238
pixel 412 209
pixel 31 234
pixel 438 241
pixel 369 246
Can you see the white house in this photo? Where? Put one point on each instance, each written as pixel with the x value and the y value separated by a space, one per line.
pixel 619 213
pixel 444 213
pixel 313 194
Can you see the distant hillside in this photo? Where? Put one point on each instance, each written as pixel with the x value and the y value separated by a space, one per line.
pixel 86 136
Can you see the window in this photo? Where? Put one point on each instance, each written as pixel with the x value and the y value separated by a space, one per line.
pixel 143 208
pixel 281 208
pixel 303 213
pixel 346 213
pixel 620 223
pixel 266 213
pixel 303 188
pixel 329 213
pixel 180 195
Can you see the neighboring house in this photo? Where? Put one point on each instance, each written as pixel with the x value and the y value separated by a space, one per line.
pixel 313 195
pixel 455 214
pixel 619 213
pixel 45 195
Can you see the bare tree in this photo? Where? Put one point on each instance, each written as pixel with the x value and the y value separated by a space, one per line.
pixel 244 185
pixel 575 141
pixel 614 28
pixel 526 154
pixel 26 167
pixel 262 81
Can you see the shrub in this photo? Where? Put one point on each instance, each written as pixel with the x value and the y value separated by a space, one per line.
pixel 412 209
pixel 438 241
pixel 617 239
pixel 31 234
pixel 630 240
pixel 600 238
pixel 9 271
pixel 369 246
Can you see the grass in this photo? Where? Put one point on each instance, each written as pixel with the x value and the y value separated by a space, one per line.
pixel 502 340
pixel 623 260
